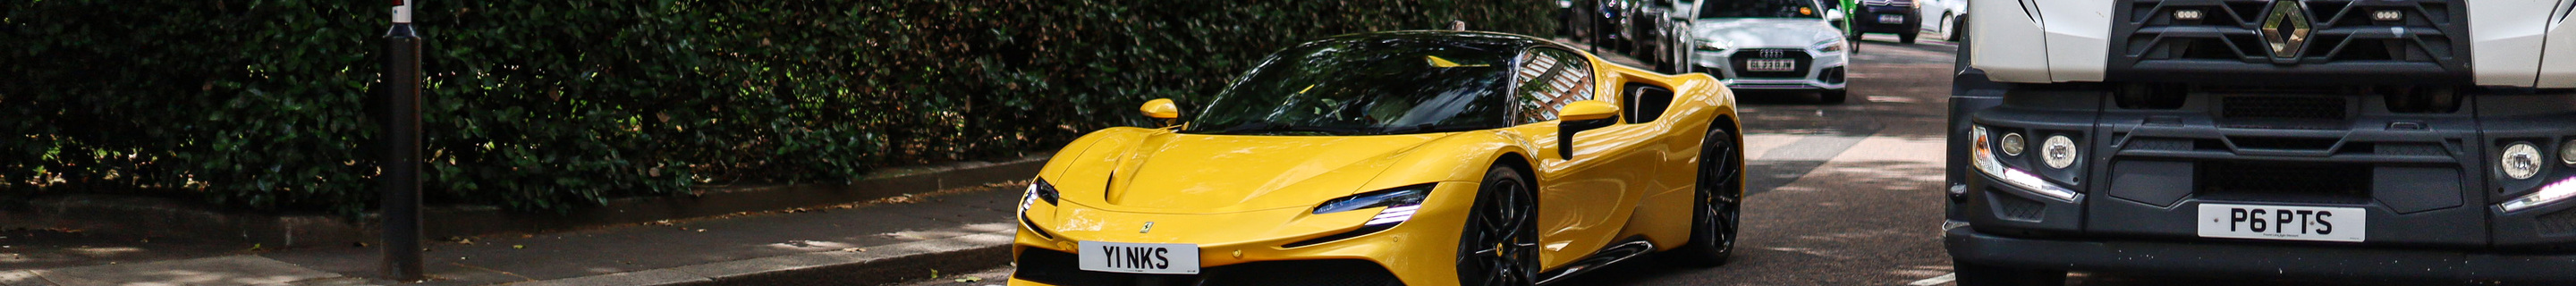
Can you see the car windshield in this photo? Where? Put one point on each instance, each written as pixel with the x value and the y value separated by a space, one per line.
pixel 1365 86
pixel 1759 9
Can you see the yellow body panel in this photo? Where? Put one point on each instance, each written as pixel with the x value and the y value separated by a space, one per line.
pixel 1252 194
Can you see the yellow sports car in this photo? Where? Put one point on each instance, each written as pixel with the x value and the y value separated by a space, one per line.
pixel 1396 158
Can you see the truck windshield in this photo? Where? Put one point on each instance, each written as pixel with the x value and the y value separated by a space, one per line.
pixel 1759 9
pixel 1362 87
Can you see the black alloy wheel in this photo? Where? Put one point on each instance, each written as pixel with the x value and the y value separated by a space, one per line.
pixel 1500 244
pixel 1717 211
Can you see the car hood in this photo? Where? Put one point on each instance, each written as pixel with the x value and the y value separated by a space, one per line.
pixel 1191 173
pixel 1766 32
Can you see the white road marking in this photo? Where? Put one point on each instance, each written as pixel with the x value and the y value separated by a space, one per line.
pixel 1943 279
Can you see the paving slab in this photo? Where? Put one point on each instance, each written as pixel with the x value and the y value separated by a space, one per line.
pixel 212 271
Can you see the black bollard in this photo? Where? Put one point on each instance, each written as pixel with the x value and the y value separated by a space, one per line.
pixel 401 164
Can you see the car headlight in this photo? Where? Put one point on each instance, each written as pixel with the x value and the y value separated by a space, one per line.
pixel 1038 190
pixel 1830 46
pixel 1715 45
pixel 1985 161
pixel 1400 203
pixel 2520 161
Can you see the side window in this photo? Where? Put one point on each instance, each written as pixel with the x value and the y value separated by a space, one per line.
pixel 1549 79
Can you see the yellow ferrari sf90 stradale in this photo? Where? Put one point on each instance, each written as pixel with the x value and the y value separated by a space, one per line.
pixel 1396 158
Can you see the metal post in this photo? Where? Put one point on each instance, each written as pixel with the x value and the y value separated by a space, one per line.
pixel 401 165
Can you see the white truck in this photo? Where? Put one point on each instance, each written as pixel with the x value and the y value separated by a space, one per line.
pixel 2411 140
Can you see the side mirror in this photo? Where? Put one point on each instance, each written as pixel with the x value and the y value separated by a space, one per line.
pixel 1581 116
pixel 1161 109
pixel 1834 15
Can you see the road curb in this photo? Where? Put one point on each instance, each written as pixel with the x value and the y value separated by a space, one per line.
pixel 158 217
pixel 876 265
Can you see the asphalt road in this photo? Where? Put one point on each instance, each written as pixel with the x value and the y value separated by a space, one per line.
pixel 1842 194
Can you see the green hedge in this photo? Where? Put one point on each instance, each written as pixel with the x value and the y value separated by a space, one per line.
pixel 548 105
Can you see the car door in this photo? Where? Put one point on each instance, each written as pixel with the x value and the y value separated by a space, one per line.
pixel 1581 200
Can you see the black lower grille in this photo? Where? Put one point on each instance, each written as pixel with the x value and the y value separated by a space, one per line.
pixel 1059 268
pixel 2319 183
pixel 2014 207
pixel 2283 107
pixel 2561 222
pixel 1742 61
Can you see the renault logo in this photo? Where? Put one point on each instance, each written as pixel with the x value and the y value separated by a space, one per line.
pixel 1149 227
pixel 2286 30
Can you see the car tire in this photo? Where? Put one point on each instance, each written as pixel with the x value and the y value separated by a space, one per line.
pixel 1504 217
pixel 1834 96
pixel 1971 274
pixel 1908 37
pixel 1958 29
pixel 1717 212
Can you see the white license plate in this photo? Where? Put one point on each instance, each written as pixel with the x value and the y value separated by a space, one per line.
pixel 1156 258
pixel 1770 65
pixel 2283 222
pixel 1891 19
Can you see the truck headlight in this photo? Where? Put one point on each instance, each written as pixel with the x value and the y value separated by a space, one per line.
pixel 2554 192
pixel 2567 153
pixel 1985 161
pixel 2059 152
pixel 2013 144
pixel 2520 161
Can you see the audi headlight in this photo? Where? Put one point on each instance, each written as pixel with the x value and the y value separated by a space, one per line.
pixel 2520 161
pixel 1715 45
pixel 1985 161
pixel 1399 203
pixel 1830 46
pixel 1038 190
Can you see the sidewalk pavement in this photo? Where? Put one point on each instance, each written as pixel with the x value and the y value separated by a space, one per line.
pixel 881 242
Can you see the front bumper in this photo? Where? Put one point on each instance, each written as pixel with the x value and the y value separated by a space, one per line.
pixel 2426 180
pixel 1819 70
pixel 2287 261
pixel 1256 245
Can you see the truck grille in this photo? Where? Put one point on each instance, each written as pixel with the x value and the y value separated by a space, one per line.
pixel 2317 183
pixel 2429 36
pixel 2283 107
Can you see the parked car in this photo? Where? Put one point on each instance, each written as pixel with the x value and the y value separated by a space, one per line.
pixel 1840 12
pixel 1943 19
pixel 1896 17
pixel 1663 37
pixel 1396 158
pixel 1773 44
